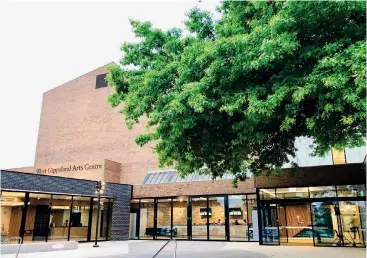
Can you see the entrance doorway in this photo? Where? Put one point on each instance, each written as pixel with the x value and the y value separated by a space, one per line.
pixel 295 227
pixel 319 223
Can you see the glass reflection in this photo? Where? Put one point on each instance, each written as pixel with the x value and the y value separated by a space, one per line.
pixel 292 193
pixel 253 226
pixel 163 230
pixel 217 218
pixel 180 217
pixel 133 225
pixel 350 216
pixel 38 217
pixel 267 194
pixel 12 205
pixel 238 221
pixel 103 215
pixel 79 219
pixel 270 234
pixel 59 218
pixel 325 224
pixel 146 222
pixel 200 213
pixel 351 190
pixel 322 191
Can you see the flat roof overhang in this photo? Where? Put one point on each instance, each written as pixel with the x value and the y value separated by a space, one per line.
pixel 345 174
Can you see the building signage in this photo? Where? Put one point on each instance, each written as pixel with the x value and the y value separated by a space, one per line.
pixel 70 168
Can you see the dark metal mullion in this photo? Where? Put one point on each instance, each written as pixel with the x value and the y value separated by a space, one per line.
pixel 24 216
pixel 259 218
pixel 90 218
pixel 286 223
pixel 171 218
pixel 276 214
pixel 312 225
pixel 155 209
pixel 340 225
pixel 207 218
pixel 277 220
pixel 189 219
pixel 71 210
pixel 138 221
pixel 248 224
pixel 49 216
pixel 226 218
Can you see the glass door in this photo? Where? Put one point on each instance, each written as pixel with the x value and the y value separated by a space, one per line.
pixel 200 218
pixel 179 220
pixel 269 221
pixel 282 221
pixel 350 218
pixel 217 218
pixel 164 212
pixel 295 223
pixel 326 229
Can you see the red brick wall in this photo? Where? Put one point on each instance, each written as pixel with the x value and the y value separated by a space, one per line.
pixel 77 124
pixel 193 188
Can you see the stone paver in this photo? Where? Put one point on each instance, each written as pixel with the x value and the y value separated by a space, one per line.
pixel 200 249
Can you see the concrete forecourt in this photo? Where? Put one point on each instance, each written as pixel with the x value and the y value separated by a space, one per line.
pixel 193 249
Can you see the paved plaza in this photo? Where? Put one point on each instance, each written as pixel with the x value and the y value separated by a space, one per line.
pixel 186 249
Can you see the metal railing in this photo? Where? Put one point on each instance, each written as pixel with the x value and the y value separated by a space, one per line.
pixel 174 253
pixel 19 243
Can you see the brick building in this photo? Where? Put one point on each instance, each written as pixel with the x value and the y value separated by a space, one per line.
pixel 82 139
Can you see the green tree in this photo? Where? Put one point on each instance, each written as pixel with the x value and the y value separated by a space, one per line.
pixel 235 93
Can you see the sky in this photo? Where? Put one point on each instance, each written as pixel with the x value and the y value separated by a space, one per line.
pixel 47 43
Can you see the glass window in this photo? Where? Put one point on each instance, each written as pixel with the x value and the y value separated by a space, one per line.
pixel 165 177
pixel 154 177
pixel 325 223
pixel 146 230
pixel 362 211
pixel 292 193
pixel 238 221
pixel 180 217
pixel 145 179
pixel 59 218
pixel 102 220
pixel 79 219
pixel 133 225
pixel 217 218
pixel 149 178
pixel 38 218
pixel 269 221
pixel 12 205
pixel 266 194
pixel 295 223
pixel 159 178
pixel 163 219
pixel 199 215
pixel 351 223
pixel 351 190
pixel 253 226
pixel 175 177
pixel 322 191
pixel 195 177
